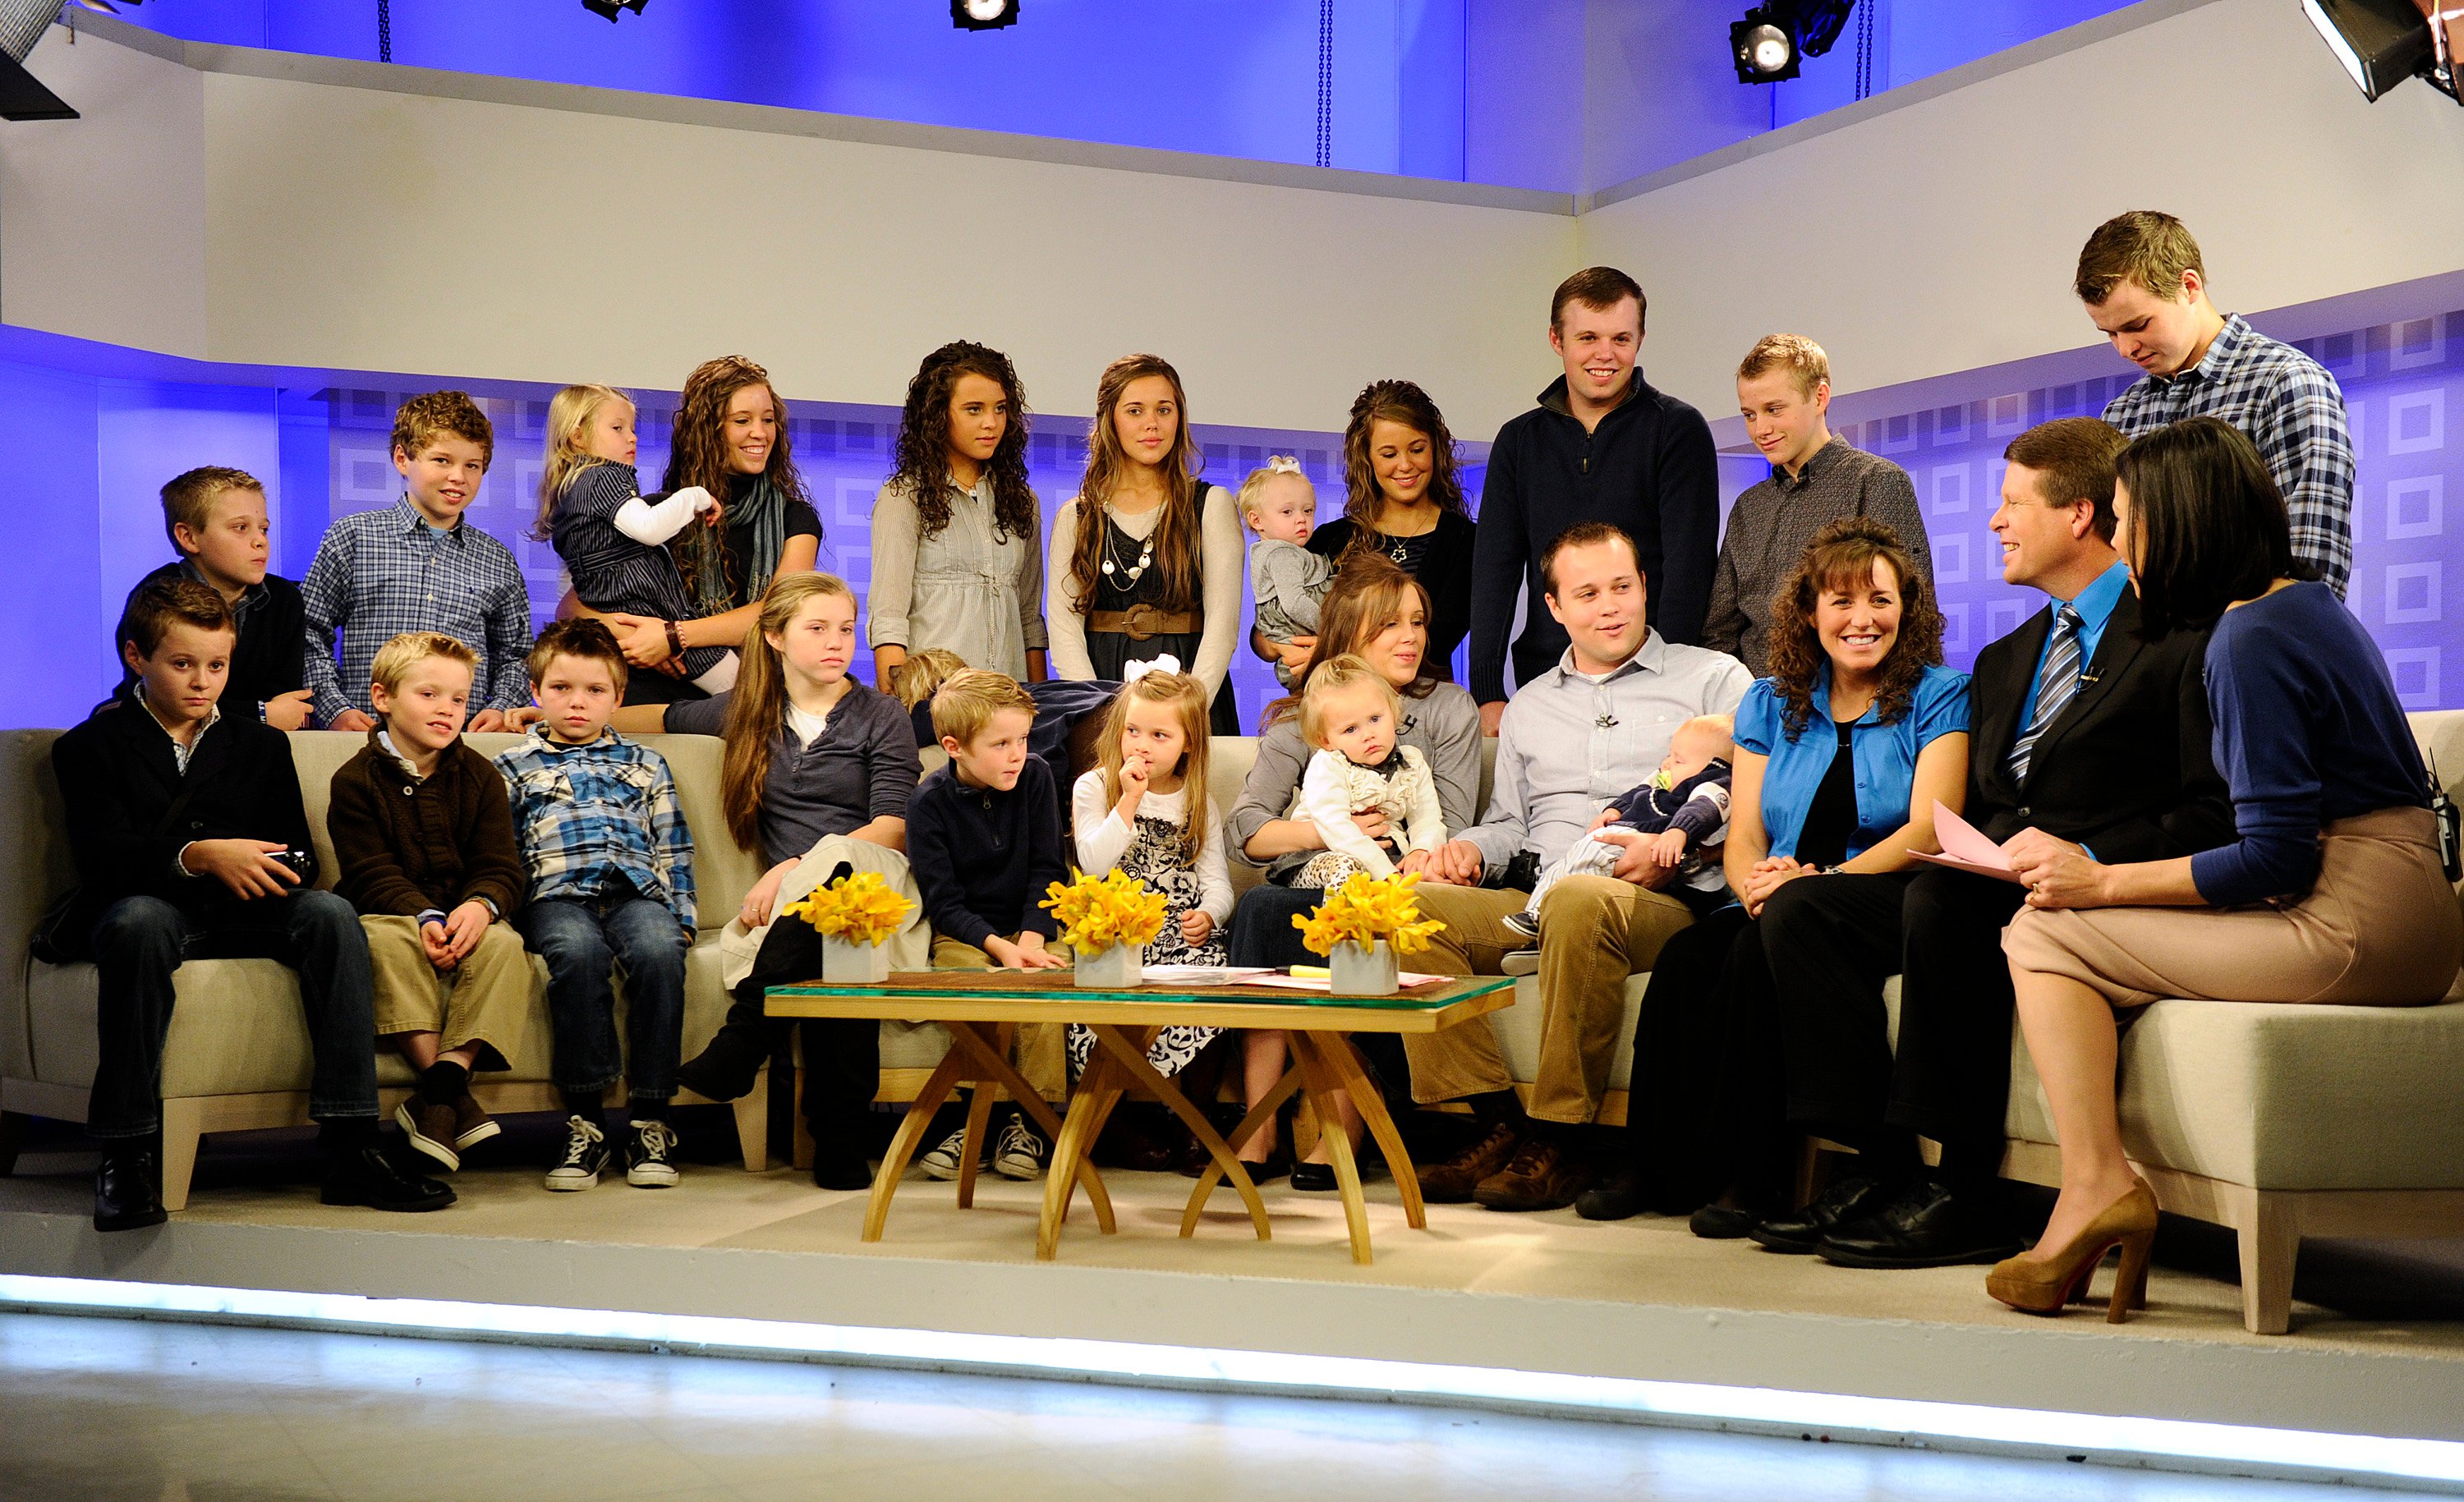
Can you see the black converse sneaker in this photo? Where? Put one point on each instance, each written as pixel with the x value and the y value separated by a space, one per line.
pixel 942 1159
pixel 649 1161
pixel 585 1153
pixel 1021 1152
pixel 1523 923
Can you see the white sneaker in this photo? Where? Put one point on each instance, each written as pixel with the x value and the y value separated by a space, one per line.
pixel 943 1162
pixel 1020 1153
pixel 585 1153
pixel 649 1163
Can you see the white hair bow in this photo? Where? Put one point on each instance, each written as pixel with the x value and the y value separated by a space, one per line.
pixel 1162 662
pixel 1282 463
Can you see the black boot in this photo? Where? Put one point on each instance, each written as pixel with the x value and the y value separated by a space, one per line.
pixel 128 1186
pixel 727 1069
pixel 839 1161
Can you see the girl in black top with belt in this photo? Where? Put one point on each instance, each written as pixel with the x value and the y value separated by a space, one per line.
pixel 1404 500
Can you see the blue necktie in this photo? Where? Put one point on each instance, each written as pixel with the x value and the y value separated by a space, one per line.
pixel 2054 690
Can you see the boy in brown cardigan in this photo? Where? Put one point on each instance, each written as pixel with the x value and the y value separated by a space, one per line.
pixel 424 837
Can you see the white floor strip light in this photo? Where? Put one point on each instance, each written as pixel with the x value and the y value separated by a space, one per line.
pixel 2166 1443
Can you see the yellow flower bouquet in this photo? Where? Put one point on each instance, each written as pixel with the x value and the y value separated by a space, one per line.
pixel 855 916
pixel 1110 919
pixel 1362 926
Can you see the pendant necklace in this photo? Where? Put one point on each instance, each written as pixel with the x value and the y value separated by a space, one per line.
pixel 1129 572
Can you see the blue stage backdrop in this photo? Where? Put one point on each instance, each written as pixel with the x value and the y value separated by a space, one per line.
pixel 102 428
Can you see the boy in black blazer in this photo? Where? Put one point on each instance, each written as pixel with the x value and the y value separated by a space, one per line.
pixel 2079 732
pixel 191 841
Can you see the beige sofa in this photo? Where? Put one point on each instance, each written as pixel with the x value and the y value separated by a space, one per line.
pixel 2278 1120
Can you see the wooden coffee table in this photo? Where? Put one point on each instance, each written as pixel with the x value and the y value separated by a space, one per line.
pixel 982 1007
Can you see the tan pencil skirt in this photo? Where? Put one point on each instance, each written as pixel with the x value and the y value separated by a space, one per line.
pixel 2380 929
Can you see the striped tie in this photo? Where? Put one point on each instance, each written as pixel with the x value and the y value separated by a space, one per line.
pixel 2054 690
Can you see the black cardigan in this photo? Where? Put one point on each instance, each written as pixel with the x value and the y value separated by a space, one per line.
pixel 1445 571
pixel 117 778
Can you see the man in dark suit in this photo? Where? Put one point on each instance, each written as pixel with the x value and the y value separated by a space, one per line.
pixel 178 818
pixel 2079 732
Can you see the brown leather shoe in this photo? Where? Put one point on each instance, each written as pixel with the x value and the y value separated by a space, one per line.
pixel 470 1124
pixel 431 1130
pixel 1542 1176
pixel 1452 1182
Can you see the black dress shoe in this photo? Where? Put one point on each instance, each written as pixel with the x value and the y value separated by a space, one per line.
pixel 367 1175
pixel 1314 1178
pixel 128 1191
pixel 1850 1197
pixel 726 1069
pixel 1716 1221
pixel 839 1163
pixel 1925 1226
pixel 1617 1197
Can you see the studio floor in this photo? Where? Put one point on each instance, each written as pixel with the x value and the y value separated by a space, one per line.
pixel 2378 1346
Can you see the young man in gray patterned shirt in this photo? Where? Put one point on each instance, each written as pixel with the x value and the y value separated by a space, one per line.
pixel 1784 389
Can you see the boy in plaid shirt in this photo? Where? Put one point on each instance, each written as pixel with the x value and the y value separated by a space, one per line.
pixel 611 884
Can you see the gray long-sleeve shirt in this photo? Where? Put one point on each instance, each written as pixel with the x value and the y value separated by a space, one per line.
pixel 1773 520
pixel 1445 726
pixel 1570 742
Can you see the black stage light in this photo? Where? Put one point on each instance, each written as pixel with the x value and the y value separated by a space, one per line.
pixel 1819 23
pixel 22 95
pixel 2383 42
pixel 983 15
pixel 611 9
pixel 1763 45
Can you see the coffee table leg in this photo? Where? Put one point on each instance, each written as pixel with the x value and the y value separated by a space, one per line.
pixel 1346 1064
pixel 1323 1080
pixel 911 1131
pixel 1259 1116
pixel 1092 1102
pixel 995 1065
pixel 979 1107
pixel 1131 1058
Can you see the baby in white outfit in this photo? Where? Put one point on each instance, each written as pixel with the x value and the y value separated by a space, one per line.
pixel 1351 714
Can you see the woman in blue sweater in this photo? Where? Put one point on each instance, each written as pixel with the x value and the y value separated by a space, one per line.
pixel 2334 891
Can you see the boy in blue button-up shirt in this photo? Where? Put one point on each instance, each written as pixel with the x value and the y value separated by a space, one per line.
pixel 610 863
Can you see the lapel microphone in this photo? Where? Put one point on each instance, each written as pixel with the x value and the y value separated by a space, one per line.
pixel 1606 721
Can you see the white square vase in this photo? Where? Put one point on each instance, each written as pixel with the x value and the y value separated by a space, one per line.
pixel 845 963
pixel 1355 971
pixel 1116 967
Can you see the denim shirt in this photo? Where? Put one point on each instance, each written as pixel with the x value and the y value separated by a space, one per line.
pixel 1885 755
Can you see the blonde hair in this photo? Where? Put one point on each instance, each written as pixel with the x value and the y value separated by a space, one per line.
pixel 1724 725
pixel 1333 677
pixel 1807 366
pixel 917 680
pixel 1253 489
pixel 569 413
pixel 758 705
pixel 406 651
pixel 188 499
pixel 967 703
pixel 1187 695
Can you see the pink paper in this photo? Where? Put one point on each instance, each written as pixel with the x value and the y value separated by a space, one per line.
pixel 1965 848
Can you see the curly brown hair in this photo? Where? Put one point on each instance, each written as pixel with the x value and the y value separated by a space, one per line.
pixel 697 449
pixel 922 450
pixel 1844 556
pixel 1403 403
pixel 1176 531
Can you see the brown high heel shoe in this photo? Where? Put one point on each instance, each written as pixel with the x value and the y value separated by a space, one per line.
pixel 2044 1285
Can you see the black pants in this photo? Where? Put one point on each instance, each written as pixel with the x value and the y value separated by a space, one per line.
pixel 1833 941
pixel 1706 1107
pixel 842 1054
pixel 139 941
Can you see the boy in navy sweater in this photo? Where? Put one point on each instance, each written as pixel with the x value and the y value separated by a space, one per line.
pixel 216 520
pixel 984 837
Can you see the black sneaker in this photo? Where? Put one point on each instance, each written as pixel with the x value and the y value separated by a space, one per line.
pixel 1851 1196
pixel 1523 923
pixel 367 1175
pixel 585 1153
pixel 1021 1152
pixel 650 1155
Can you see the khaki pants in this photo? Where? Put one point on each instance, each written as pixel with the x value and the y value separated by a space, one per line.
pixel 483 1000
pixel 1595 932
pixel 1040 1049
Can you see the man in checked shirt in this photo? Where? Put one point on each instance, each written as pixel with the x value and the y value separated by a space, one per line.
pixel 2147 290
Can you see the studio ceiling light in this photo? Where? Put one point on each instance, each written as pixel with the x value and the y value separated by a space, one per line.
pixel 611 9
pixel 2383 42
pixel 983 15
pixel 1774 38
pixel 22 95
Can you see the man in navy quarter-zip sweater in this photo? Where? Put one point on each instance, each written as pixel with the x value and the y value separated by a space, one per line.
pixel 1603 446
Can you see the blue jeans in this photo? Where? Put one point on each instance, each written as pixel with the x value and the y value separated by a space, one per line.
pixel 582 942
pixel 139 941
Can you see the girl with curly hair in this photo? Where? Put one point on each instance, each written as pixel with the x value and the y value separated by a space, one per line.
pixel 1404 500
pixel 1146 558
pixel 958 538
pixel 1840 757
